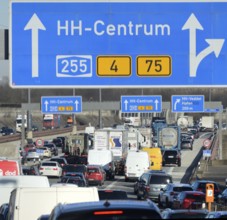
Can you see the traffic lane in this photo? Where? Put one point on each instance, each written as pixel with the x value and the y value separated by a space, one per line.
pixel 189 160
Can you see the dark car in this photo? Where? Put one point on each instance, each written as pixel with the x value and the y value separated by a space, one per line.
pixel 171 156
pixel 189 200
pixel 170 192
pixel 108 210
pixel 70 169
pixel 222 198
pixel 108 194
pixel 4 209
pixel 200 185
pixel 62 161
pixel 217 214
pixel 150 184
pixel 77 179
pixel 184 214
pixel 52 147
pixel 30 170
pixel 58 142
pixel 8 131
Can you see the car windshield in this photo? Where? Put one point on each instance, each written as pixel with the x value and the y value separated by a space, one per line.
pixel 170 152
pixel 49 164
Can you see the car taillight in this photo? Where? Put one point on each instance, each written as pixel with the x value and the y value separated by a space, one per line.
pixel 125 169
pixel 55 168
pixel 186 203
pixel 173 193
pixel 40 168
pixel 199 189
pixel 147 188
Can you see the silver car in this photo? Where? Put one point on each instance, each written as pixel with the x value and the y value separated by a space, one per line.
pixel 34 154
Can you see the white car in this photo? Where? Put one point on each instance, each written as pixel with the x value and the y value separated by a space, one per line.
pixel 50 168
pixel 45 151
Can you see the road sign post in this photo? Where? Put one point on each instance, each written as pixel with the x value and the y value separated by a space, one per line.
pixel 94 50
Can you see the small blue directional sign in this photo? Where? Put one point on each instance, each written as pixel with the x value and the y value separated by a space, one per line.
pixel 143 104
pixel 212 110
pixel 61 104
pixel 187 103
pixel 103 44
pixel 206 153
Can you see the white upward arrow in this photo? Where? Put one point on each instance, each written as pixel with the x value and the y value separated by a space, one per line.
pixel 156 104
pixel 76 104
pixel 35 24
pixel 215 45
pixel 126 104
pixel 175 104
pixel 46 105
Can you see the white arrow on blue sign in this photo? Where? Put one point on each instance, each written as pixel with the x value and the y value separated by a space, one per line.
pixel 144 104
pixel 61 104
pixel 187 103
pixel 57 44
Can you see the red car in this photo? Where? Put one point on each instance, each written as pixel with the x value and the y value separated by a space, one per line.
pixel 190 200
pixel 96 175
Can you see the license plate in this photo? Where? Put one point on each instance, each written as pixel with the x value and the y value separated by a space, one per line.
pixel 170 156
pixel 91 179
pixel 132 174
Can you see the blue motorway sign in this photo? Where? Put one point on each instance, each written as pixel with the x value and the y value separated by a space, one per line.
pixel 212 110
pixel 142 104
pixel 64 44
pixel 187 103
pixel 61 104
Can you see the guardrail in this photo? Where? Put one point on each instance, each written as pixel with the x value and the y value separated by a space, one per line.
pixel 36 134
pixel 203 164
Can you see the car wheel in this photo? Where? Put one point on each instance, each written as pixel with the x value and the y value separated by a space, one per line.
pixel 138 197
pixel 191 148
pixel 159 202
pixel 179 164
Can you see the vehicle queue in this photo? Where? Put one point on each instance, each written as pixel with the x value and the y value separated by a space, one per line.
pixel 152 186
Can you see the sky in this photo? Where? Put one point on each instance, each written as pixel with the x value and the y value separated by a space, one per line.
pixel 4 24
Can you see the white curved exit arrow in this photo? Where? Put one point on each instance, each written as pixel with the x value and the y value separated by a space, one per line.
pixel 215 45
pixel 35 24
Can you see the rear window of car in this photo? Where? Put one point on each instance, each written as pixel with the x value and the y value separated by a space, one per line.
pixel 195 197
pixel 155 179
pixel 183 188
pixel 170 153
pixel 93 170
pixel 74 169
pixel 49 164
pixel 115 214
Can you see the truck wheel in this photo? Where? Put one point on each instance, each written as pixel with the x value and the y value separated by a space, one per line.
pixel 179 164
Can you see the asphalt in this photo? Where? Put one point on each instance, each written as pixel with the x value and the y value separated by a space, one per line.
pixel 214 169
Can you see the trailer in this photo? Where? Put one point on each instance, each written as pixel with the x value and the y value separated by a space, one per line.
pixel 169 137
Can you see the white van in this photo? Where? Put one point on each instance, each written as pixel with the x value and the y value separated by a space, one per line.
pixel 104 158
pixel 9 183
pixel 137 162
pixel 30 203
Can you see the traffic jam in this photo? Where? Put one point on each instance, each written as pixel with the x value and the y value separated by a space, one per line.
pixel 130 169
pixel 111 171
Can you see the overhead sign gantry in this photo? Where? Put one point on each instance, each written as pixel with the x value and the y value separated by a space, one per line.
pixel 117 44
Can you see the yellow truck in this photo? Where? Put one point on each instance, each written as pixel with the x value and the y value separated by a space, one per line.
pixel 155 156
